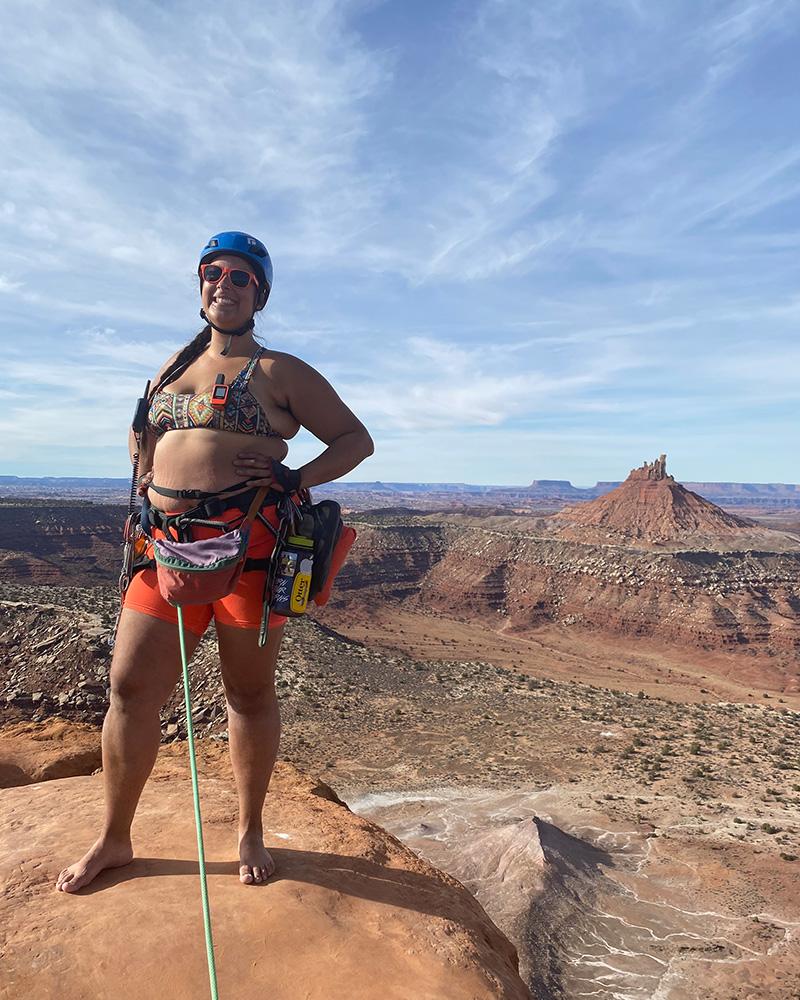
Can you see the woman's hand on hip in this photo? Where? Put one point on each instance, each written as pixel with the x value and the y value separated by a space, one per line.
pixel 261 470
pixel 254 466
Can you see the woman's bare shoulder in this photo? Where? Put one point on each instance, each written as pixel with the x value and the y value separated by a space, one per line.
pixel 280 357
pixel 279 362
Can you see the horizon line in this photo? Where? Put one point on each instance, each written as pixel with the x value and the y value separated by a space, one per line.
pixel 5 478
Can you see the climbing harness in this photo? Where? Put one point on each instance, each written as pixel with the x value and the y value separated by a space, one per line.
pixel 199 572
pixel 206 570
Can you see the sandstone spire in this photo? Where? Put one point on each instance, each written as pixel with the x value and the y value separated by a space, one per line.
pixel 652 470
pixel 649 506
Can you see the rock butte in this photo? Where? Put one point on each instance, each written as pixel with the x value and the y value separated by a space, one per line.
pixel 649 560
pixel 650 506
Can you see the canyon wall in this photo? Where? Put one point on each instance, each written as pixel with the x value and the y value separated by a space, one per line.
pixel 45 544
pixel 704 598
pixel 511 577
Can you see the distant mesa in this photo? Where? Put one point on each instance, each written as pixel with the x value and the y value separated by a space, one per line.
pixel 551 484
pixel 650 506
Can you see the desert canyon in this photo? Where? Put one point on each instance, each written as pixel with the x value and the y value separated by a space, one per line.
pixel 537 749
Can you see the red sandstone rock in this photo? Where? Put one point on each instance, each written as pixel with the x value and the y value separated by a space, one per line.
pixel 650 506
pixel 649 559
pixel 30 752
pixel 350 913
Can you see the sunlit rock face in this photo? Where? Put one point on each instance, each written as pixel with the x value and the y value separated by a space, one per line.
pixel 31 752
pixel 649 559
pixel 651 507
pixel 704 597
pixel 350 914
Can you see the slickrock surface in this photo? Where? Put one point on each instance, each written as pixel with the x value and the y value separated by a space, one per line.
pixel 716 788
pixel 31 752
pixel 350 913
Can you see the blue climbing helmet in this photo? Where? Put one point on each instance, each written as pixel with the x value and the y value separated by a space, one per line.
pixel 247 247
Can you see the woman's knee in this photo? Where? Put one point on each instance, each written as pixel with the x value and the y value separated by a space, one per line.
pixel 132 693
pixel 146 664
pixel 248 670
pixel 250 698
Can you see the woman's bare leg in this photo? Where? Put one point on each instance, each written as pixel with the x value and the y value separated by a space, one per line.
pixel 144 671
pixel 254 730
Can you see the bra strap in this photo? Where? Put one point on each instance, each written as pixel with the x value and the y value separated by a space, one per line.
pixel 251 367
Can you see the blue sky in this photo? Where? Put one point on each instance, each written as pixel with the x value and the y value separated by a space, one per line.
pixel 523 241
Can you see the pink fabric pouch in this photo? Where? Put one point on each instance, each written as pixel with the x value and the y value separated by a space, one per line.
pixel 206 570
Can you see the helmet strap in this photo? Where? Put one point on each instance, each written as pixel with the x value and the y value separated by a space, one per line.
pixel 238 332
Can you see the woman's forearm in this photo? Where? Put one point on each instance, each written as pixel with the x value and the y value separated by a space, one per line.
pixel 340 457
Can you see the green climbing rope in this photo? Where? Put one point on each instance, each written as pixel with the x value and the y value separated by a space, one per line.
pixel 212 971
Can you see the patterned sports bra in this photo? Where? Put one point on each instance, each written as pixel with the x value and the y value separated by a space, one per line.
pixel 171 411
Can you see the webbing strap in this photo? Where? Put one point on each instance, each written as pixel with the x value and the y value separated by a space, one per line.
pixel 234 489
pixel 212 971
pixel 247 372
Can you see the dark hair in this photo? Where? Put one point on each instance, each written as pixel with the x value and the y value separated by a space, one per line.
pixel 187 355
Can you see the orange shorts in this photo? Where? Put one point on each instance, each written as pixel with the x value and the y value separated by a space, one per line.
pixel 242 608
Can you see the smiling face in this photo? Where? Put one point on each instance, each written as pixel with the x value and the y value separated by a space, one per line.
pixel 224 303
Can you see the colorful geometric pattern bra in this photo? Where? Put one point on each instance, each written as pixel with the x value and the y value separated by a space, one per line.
pixel 170 411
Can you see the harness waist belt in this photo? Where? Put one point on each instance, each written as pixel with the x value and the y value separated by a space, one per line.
pixel 166 491
pixel 203 512
pixel 250 565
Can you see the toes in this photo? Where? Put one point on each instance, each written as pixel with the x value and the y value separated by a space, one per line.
pixel 245 874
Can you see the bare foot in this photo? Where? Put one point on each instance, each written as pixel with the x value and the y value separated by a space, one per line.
pixel 256 865
pixel 102 854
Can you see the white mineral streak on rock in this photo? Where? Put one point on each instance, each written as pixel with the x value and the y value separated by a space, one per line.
pixel 586 905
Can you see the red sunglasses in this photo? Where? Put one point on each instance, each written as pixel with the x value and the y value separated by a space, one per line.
pixel 215 272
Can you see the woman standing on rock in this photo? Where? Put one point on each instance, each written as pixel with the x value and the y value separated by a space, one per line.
pixel 222 410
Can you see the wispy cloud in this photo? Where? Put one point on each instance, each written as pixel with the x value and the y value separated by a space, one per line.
pixel 432 383
pixel 487 221
pixel 148 120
